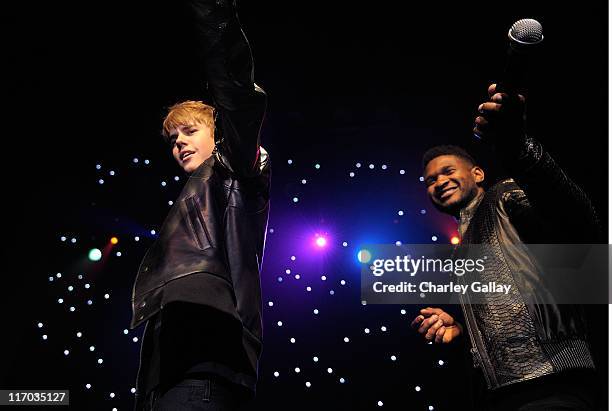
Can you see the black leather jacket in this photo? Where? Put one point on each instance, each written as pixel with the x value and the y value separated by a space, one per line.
pixel 520 336
pixel 215 231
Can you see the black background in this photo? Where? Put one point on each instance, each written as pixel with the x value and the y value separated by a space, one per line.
pixel 89 81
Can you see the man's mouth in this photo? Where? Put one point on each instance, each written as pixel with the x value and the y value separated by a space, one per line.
pixel 187 155
pixel 447 193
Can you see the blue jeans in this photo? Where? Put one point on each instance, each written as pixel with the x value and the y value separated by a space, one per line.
pixel 209 394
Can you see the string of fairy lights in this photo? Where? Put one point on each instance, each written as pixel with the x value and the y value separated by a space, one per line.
pixel 69 285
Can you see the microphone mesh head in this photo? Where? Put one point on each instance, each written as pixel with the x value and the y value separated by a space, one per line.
pixel 526 31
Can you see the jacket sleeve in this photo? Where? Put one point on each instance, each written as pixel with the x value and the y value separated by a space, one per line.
pixel 226 60
pixel 551 199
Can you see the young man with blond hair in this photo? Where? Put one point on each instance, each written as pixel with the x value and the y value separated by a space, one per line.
pixel 198 286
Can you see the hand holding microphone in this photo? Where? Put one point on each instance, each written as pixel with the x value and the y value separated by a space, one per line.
pixel 501 119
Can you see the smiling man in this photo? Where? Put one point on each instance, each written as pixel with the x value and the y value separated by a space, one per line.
pixel 452 178
pixel 528 353
pixel 198 286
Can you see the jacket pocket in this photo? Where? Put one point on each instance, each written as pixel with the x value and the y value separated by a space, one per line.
pixel 197 225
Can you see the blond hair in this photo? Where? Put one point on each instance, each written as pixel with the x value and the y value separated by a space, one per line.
pixel 187 113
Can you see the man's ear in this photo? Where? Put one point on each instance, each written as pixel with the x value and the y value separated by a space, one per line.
pixel 479 174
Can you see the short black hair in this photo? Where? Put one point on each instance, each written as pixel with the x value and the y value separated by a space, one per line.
pixel 446 150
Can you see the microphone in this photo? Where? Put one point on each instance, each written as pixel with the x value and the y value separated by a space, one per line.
pixel 525 37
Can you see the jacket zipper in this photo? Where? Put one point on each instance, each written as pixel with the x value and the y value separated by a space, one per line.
pixel 477 346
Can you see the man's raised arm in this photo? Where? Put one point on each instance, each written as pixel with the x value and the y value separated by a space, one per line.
pixel 228 68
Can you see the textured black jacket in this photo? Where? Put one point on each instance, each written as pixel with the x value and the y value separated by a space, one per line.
pixel 520 336
pixel 210 246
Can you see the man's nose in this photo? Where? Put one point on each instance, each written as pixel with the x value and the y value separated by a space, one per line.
pixel 441 183
pixel 180 139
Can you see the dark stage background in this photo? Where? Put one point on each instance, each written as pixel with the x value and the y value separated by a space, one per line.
pixel 86 84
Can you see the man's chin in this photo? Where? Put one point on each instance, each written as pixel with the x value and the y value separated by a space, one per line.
pixel 448 207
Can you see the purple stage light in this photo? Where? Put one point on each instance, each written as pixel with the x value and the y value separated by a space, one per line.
pixel 321 241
